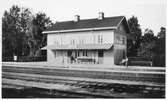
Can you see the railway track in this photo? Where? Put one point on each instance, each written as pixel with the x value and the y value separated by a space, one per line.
pixel 46 93
pixel 156 77
pixel 84 84
pixel 87 89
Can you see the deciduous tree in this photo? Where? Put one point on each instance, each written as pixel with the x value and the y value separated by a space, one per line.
pixel 14 27
pixel 36 40
pixel 159 49
pixel 134 39
pixel 148 42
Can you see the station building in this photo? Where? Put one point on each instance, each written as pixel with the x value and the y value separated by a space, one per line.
pixel 102 40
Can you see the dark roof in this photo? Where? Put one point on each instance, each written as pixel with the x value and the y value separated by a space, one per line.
pixel 87 23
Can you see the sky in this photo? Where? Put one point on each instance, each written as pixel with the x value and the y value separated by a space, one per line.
pixel 150 13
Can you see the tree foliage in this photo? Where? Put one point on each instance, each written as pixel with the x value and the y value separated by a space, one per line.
pixel 22 32
pixel 36 40
pixel 14 27
pixel 159 50
pixel 134 36
pixel 161 34
pixel 147 44
pixel 153 47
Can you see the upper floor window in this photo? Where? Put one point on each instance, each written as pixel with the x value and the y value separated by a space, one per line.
pixel 81 41
pixel 118 39
pixel 100 39
pixel 56 42
pixel 123 40
pixel 61 41
pixel 72 41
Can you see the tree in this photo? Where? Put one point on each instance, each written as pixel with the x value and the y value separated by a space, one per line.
pixel 14 27
pixel 134 39
pixel 162 32
pixel 148 42
pixel 36 40
pixel 159 58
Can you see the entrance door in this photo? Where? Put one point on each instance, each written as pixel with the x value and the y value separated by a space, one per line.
pixel 100 56
pixel 69 53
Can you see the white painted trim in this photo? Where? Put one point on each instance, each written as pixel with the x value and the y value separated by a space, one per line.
pixel 77 30
pixel 120 22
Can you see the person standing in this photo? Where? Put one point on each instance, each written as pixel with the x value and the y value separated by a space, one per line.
pixel 126 61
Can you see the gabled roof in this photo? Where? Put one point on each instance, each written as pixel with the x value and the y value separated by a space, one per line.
pixel 111 22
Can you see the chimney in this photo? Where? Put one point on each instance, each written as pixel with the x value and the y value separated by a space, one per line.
pixel 101 16
pixel 76 18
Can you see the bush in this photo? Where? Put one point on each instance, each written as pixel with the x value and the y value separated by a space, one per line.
pixel 159 60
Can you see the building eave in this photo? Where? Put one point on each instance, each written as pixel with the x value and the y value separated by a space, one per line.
pixel 79 47
pixel 79 30
pixel 120 22
pixel 125 22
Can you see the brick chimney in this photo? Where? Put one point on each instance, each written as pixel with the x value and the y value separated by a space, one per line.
pixel 101 16
pixel 76 18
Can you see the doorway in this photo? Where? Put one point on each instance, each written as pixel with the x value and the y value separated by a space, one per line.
pixel 100 56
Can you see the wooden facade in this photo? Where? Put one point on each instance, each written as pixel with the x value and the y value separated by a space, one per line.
pixel 98 45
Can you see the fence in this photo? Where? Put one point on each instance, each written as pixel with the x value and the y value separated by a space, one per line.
pixel 25 59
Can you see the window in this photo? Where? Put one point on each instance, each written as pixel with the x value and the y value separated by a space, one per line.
pixel 85 53
pixel 55 53
pixel 56 42
pixel 118 39
pixel 100 53
pixel 81 41
pixel 69 53
pixel 94 39
pixel 78 53
pixel 75 54
pixel 123 40
pixel 61 41
pixel 73 42
pixel 100 39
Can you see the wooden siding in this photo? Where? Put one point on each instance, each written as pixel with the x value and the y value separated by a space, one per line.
pixel 90 37
pixel 119 46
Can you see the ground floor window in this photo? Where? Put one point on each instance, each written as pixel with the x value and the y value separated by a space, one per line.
pixel 85 56
pixel 69 53
pixel 85 53
pixel 76 53
pixel 100 53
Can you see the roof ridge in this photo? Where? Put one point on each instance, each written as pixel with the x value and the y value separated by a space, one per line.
pixel 89 19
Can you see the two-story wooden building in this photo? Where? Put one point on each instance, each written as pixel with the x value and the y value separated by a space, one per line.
pixel 100 40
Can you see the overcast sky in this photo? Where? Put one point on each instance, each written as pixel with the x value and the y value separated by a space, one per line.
pixel 151 13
